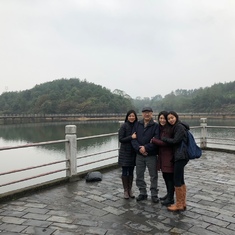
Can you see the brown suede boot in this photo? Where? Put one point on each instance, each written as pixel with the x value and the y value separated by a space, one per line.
pixel 130 182
pixel 178 206
pixel 125 183
pixel 184 196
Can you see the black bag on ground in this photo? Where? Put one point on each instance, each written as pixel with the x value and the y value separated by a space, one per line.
pixel 93 176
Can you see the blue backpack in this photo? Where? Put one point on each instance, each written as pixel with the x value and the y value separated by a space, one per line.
pixel 192 148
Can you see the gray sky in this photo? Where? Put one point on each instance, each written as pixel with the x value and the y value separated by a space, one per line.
pixel 142 47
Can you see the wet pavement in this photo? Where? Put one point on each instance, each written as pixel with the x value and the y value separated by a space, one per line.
pixel 99 208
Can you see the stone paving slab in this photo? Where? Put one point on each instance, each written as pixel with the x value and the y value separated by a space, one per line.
pixel 99 208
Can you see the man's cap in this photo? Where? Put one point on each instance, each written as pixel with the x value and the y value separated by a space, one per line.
pixel 147 109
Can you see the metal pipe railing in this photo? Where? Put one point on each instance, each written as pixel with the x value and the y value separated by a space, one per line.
pixel 30 168
pixel 32 177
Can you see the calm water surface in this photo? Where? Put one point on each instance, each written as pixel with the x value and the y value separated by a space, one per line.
pixel 19 134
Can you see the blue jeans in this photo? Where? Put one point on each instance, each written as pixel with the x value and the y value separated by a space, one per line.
pixel 151 163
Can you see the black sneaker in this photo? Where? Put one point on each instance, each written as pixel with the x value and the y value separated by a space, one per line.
pixel 155 199
pixel 141 197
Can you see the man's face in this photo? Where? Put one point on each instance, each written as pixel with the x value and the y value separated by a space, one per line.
pixel 147 116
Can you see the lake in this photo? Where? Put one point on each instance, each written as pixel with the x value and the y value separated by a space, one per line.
pixel 19 134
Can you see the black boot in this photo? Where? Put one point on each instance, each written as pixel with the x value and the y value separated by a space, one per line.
pixel 170 196
pixel 164 197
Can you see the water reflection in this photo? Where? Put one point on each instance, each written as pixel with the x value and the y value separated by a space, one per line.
pixel 40 132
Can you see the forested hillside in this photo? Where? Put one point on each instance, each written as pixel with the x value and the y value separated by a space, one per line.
pixel 76 96
pixel 64 96
pixel 217 98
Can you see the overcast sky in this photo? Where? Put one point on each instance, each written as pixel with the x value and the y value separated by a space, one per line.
pixel 142 47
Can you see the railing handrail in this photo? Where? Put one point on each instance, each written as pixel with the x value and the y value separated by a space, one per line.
pixel 108 114
pixel 221 127
pixel 33 144
pixel 32 167
pixel 97 136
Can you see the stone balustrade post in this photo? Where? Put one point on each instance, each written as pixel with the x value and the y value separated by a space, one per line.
pixel 71 150
pixel 203 139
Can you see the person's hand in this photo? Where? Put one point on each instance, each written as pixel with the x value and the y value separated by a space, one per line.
pixel 134 136
pixel 142 150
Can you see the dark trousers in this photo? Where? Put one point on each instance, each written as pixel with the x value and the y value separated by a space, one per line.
pixel 179 172
pixel 127 170
pixel 168 176
pixel 142 163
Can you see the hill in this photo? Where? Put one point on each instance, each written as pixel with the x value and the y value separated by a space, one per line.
pixel 219 98
pixel 75 96
pixel 64 96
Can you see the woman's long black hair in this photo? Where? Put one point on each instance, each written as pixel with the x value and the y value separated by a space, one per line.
pixel 129 112
pixel 174 114
pixel 164 113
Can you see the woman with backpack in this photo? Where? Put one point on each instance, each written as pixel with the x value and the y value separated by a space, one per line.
pixel 180 159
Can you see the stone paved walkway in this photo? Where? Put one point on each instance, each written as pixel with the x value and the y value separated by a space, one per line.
pixel 98 208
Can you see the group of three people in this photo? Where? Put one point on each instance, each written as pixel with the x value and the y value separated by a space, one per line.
pixel 155 145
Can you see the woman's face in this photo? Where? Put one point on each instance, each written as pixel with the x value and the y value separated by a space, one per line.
pixel 162 120
pixel 171 119
pixel 131 117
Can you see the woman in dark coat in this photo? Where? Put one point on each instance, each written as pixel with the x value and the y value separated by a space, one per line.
pixel 165 161
pixel 127 154
pixel 180 159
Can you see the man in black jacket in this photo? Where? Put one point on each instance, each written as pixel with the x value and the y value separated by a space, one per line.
pixel 145 130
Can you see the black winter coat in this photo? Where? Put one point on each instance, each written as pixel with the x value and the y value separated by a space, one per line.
pixel 179 135
pixel 144 136
pixel 127 154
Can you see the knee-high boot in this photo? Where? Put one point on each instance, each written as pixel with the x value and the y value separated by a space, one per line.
pixel 184 196
pixel 125 183
pixel 170 194
pixel 130 182
pixel 178 206
pixel 165 197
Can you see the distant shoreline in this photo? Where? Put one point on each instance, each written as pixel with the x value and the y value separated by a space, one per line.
pixel 17 119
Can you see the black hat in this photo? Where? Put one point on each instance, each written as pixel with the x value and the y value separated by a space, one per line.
pixel 147 109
